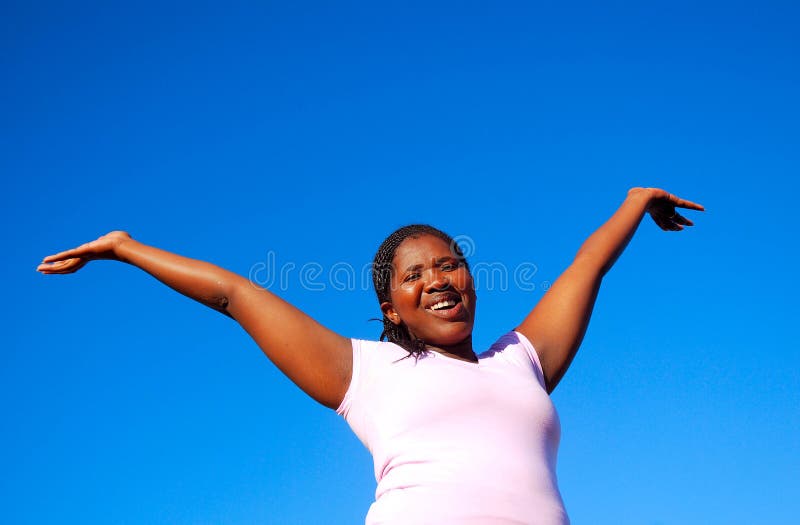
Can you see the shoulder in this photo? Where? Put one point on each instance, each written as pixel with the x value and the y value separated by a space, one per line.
pixel 371 359
pixel 514 347
pixel 376 352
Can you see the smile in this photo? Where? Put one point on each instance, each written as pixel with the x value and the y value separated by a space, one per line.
pixel 446 306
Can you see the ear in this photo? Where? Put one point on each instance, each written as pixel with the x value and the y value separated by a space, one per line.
pixel 390 313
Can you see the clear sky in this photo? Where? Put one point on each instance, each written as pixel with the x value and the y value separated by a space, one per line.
pixel 302 134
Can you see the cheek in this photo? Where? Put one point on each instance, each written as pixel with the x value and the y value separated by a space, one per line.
pixel 469 288
pixel 464 282
pixel 405 298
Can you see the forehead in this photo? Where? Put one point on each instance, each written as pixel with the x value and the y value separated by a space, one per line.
pixel 420 250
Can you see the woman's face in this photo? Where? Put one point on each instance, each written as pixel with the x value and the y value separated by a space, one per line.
pixel 431 292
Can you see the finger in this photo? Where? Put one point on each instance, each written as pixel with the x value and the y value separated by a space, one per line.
pixel 660 222
pixel 69 254
pixel 77 266
pixel 60 256
pixel 51 268
pixel 683 203
pixel 680 219
pixel 53 264
pixel 64 266
pixel 669 223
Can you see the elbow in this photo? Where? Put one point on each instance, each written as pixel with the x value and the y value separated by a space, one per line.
pixel 223 295
pixel 233 292
pixel 221 303
pixel 218 302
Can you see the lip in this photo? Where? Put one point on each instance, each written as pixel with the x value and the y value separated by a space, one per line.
pixel 454 313
pixel 443 296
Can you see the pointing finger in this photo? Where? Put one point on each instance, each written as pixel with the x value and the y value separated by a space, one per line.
pixel 683 203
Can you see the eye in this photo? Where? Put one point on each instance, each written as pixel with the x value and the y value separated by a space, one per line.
pixel 450 266
pixel 411 277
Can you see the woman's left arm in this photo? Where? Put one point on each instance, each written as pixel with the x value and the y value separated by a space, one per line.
pixel 558 323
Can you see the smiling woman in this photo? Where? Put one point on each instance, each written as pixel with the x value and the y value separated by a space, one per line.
pixel 456 436
pixel 421 275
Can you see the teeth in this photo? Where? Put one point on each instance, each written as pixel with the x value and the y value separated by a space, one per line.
pixel 443 304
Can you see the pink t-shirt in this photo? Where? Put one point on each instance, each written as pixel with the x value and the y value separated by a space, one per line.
pixel 456 442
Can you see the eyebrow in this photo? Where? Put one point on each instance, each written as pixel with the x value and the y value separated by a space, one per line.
pixel 437 262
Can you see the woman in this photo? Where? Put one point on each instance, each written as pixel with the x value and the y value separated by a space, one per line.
pixel 456 437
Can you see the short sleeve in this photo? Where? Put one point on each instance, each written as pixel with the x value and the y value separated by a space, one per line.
pixel 532 355
pixel 355 379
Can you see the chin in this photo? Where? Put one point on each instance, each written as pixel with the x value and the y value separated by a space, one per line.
pixel 451 337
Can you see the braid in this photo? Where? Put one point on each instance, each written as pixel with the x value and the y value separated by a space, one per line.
pixel 382 279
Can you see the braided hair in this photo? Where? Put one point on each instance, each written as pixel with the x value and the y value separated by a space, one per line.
pixel 382 279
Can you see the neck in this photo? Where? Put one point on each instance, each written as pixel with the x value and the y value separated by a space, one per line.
pixel 462 350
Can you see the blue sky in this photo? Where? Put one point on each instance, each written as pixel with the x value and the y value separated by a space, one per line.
pixel 307 133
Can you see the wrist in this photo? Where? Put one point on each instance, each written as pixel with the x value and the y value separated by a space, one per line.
pixel 641 196
pixel 122 249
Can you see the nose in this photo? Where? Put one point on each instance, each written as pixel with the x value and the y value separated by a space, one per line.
pixel 439 282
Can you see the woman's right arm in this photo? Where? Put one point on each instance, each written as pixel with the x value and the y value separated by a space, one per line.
pixel 315 358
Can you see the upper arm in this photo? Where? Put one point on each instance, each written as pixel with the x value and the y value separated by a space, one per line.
pixel 315 358
pixel 557 324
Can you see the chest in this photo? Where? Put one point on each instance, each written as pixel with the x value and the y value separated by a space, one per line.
pixel 439 397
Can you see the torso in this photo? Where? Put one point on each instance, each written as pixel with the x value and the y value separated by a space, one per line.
pixel 456 439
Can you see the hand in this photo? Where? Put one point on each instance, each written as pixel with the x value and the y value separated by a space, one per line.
pixel 71 261
pixel 661 207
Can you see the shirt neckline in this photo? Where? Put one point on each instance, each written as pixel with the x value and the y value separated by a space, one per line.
pixel 462 362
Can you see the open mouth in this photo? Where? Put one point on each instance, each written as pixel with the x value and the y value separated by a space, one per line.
pixel 446 305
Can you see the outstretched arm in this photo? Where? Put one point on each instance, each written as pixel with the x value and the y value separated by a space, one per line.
pixel 318 360
pixel 557 324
